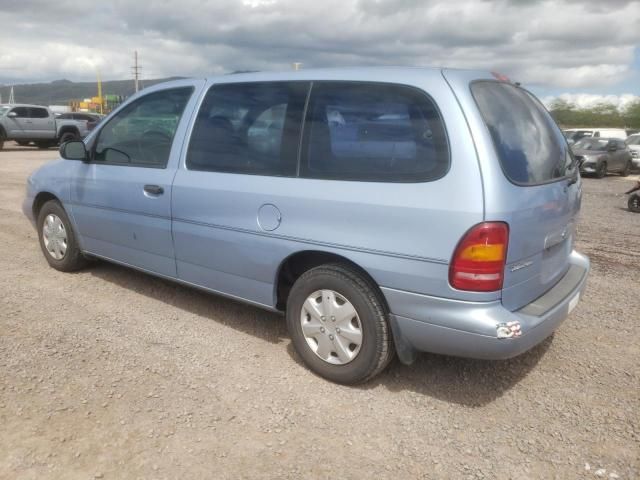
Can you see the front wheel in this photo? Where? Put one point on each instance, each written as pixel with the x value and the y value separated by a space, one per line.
pixel 338 324
pixel 634 203
pixel 57 238
pixel 601 172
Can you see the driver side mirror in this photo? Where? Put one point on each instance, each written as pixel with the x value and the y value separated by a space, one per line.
pixel 74 150
pixel 12 114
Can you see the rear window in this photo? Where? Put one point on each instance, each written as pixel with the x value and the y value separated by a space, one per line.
pixel 530 146
pixel 599 144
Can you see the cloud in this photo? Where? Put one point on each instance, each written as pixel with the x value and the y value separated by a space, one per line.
pixel 552 44
pixel 585 100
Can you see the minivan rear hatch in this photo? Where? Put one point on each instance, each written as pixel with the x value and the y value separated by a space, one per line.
pixel 540 198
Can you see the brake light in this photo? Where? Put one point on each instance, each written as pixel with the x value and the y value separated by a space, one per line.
pixel 478 261
pixel 500 77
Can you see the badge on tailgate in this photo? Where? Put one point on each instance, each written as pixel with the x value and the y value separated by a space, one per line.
pixel 558 237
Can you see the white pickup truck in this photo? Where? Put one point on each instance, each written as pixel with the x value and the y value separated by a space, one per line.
pixel 26 124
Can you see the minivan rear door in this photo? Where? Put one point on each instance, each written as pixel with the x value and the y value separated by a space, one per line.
pixel 531 182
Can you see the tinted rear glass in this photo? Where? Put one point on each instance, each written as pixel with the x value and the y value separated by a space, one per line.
pixel 531 147
pixel 39 113
pixel 373 132
pixel 599 144
pixel 249 128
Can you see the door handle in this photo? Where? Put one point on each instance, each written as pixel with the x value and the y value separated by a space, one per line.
pixel 154 189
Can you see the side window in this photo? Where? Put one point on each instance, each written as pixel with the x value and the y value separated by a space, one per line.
pixel 21 112
pixel 142 133
pixel 373 132
pixel 38 113
pixel 250 128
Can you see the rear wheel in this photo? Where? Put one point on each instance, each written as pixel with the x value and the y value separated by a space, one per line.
pixel 601 171
pixel 57 238
pixel 627 169
pixel 69 137
pixel 2 139
pixel 634 203
pixel 338 324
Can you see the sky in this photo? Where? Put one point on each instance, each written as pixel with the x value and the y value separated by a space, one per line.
pixel 583 51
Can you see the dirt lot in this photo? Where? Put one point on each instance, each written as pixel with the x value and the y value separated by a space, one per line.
pixel 109 373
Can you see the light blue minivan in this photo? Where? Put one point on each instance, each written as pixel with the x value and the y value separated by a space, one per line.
pixel 385 210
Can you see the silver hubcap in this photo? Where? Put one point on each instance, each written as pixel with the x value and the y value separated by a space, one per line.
pixel 55 236
pixel 331 327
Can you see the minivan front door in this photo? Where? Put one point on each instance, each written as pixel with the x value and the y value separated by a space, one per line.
pixel 121 199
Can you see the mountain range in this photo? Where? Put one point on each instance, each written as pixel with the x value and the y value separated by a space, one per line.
pixel 61 92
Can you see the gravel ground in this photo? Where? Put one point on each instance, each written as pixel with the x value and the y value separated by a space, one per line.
pixel 109 373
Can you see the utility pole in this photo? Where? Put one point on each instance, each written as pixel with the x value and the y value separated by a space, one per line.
pixel 136 69
pixel 100 93
pixel 12 99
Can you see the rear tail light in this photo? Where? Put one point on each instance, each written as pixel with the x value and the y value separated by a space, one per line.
pixel 478 261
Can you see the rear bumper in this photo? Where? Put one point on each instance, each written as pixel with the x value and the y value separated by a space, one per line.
pixel 470 329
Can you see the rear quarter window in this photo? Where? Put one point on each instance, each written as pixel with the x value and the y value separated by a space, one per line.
pixel 529 144
pixel 376 132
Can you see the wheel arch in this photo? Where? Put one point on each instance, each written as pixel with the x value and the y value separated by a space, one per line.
pixel 297 263
pixel 40 199
pixel 68 129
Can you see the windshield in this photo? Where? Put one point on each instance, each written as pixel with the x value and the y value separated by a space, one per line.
pixel 634 140
pixel 591 144
pixel 4 109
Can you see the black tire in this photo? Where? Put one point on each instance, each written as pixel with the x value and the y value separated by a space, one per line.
pixel 377 348
pixel 601 172
pixel 68 137
pixel 634 203
pixel 627 169
pixel 73 258
pixel 2 139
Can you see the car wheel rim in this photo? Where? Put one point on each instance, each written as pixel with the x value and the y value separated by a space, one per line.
pixel 55 236
pixel 331 326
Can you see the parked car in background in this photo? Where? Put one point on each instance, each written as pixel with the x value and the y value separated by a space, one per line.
pixel 383 209
pixel 92 119
pixel 574 134
pixel 633 142
pixel 26 124
pixel 600 156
